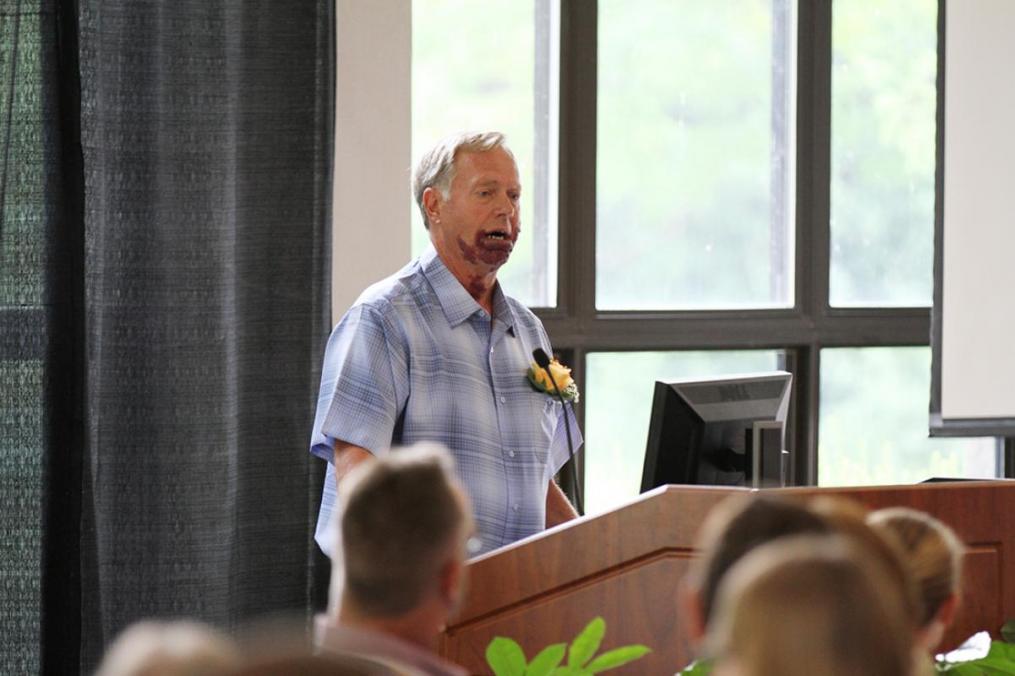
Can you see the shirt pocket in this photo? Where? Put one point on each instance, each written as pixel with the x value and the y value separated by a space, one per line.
pixel 550 418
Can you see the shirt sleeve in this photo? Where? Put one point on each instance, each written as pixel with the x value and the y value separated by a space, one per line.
pixel 364 384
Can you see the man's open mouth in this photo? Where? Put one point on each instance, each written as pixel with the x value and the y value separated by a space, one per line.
pixel 495 245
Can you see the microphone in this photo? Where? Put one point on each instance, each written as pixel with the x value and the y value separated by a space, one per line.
pixel 543 362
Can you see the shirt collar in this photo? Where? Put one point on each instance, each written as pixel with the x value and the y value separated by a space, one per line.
pixel 456 302
pixel 502 309
pixel 343 638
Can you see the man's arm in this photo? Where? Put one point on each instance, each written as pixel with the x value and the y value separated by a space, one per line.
pixel 558 507
pixel 348 456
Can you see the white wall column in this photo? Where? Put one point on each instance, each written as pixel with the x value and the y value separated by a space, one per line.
pixel 373 125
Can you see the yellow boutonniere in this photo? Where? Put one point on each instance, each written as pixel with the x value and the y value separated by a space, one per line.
pixel 540 380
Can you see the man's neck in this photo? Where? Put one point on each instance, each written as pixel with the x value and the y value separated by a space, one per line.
pixel 478 282
pixel 482 291
pixel 412 627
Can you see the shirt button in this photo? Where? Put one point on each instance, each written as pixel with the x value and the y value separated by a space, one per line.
pixel 511 454
pixel 491 350
pixel 514 507
pixel 503 400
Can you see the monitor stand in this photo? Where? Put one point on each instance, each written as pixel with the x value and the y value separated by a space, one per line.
pixel 769 460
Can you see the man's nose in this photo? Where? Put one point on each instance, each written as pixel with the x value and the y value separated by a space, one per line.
pixel 507 206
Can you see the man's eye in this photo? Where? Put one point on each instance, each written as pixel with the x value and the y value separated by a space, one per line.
pixel 515 197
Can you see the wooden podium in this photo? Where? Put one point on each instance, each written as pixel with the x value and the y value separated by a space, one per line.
pixel 626 565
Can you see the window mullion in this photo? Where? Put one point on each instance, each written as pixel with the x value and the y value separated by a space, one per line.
pixel 814 90
pixel 577 210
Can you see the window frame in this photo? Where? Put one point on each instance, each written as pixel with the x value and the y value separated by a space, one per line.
pixel 577 327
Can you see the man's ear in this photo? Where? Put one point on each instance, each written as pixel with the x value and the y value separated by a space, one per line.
pixel 690 605
pixel 432 203
pixel 946 613
pixel 930 635
pixel 450 582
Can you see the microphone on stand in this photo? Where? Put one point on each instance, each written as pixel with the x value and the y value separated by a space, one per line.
pixel 543 362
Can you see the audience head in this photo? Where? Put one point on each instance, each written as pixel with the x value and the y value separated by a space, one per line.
pixel 405 522
pixel 734 528
pixel 178 648
pixel 934 556
pixel 849 520
pixel 810 606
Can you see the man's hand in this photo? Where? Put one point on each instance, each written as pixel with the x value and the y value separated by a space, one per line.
pixel 558 507
pixel 348 456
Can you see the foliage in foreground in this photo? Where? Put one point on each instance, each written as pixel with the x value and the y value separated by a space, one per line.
pixel 506 658
pixel 986 657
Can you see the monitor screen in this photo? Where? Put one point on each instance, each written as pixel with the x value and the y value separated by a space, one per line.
pixel 726 431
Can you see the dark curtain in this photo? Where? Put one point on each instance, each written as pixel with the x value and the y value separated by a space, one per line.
pixel 32 312
pixel 205 133
pixel 174 308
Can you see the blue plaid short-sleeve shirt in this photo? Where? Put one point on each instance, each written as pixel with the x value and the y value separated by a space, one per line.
pixel 418 359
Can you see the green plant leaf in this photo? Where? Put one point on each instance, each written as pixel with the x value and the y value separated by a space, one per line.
pixel 547 660
pixel 617 657
pixel 1008 631
pixel 698 668
pixel 971 669
pixel 1004 653
pixel 505 657
pixel 586 643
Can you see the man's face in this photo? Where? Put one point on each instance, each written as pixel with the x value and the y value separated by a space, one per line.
pixel 476 228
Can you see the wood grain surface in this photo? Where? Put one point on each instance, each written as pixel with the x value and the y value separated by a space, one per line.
pixel 626 565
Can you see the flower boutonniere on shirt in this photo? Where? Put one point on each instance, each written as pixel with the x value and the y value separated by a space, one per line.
pixel 540 380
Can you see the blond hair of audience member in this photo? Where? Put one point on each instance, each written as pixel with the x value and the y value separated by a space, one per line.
pixel 178 648
pixel 405 524
pixel 848 518
pixel 810 606
pixel 732 529
pixel 934 554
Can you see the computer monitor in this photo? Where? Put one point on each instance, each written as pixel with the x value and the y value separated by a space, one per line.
pixel 726 431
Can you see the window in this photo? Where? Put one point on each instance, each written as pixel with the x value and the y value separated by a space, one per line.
pixel 743 184
pixel 619 387
pixel 492 65
pixel 874 422
pixel 884 66
pixel 695 142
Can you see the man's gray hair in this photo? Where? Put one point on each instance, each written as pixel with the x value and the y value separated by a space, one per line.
pixel 402 517
pixel 436 169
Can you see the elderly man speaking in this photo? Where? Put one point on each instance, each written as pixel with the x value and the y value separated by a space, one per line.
pixel 438 352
